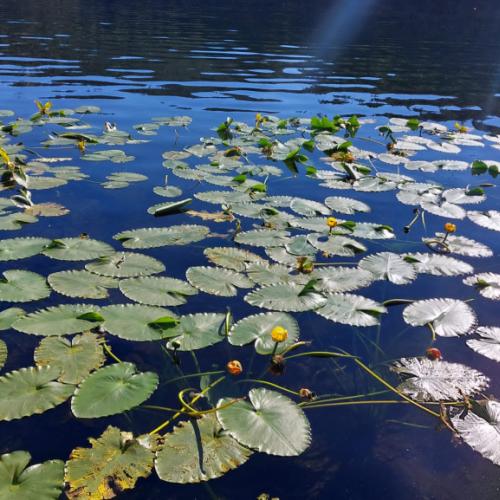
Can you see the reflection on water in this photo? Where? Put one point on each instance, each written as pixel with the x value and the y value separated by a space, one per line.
pixel 207 59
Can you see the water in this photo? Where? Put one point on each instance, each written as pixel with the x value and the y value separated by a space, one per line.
pixel 212 59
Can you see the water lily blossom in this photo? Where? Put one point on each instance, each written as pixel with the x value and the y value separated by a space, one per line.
pixel 279 334
pixel 234 367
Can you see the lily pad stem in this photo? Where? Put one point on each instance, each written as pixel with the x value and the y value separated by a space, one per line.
pixel 271 384
pixel 108 350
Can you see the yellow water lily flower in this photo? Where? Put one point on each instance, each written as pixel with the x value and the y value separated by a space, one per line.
pixel 450 227
pixel 279 334
pixel 331 222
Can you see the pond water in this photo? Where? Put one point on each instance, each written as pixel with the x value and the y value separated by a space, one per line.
pixel 435 61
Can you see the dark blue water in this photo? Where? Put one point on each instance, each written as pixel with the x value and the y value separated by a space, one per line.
pixel 435 60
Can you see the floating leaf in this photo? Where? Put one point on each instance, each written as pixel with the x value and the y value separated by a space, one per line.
pixel 488 284
pixel 59 320
pixel 285 297
pixel 459 245
pixel 43 481
pixel 308 208
pixel 448 317
pixel 438 265
pixel 81 284
pixel 125 265
pixel 196 331
pixel 389 266
pixel 346 205
pixel 488 343
pixel 137 322
pixel 169 208
pixel 350 309
pixel 198 450
pixel 231 258
pixel 8 316
pixel 22 286
pixel 77 249
pixel 427 380
pixel 157 291
pixel 114 463
pixel 111 390
pixel 262 238
pixel 263 273
pixel 217 281
pixel 152 237
pixel 3 353
pixel 258 328
pixel 47 210
pixel 480 429
pixel 31 391
pixel 74 359
pixel 489 219
pixel 336 245
pixel 21 248
pixel 269 422
pixel 341 279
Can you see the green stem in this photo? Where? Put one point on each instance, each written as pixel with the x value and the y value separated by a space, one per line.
pixel 110 353
pixel 271 384
pixel 192 375
pixel 342 398
pixel 322 354
pixel 431 328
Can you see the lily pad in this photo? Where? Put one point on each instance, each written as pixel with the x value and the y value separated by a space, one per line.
pixel 114 463
pixel 269 422
pixel 74 358
pixel 31 391
pixel 427 380
pixel 196 331
pixel 231 258
pixel 157 291
pixel 17 285
pixel 489 219
pixel 21 248
pixel 111 390
pixel 389 266
pixel 438 265
pixel 81 284
pixel 125 265
pixel 341 279
pixel 77 249
pixel 488 343
pixel 198 450
pixel 8 316
pixel 43 481
pixel 448 317
pixel 217 281
pixel 459 245
pixel 138 322
pixel 262 238
pixel 488 284
pixel 152 237
pixel 258 327
pixel 59 320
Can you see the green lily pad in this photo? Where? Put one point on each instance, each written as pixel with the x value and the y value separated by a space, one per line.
pixel 81 284
pixel 31 391
pixel 258 328
pixel 389 266
pixel 198 450
pixel 138 322
pixel 22 286
pixel 111 390
pixel 8 316
pixel 43 481
pixel 77 249
pixel 231 258
pixel 59 320
pixel 113 463
pixel 157 291
pixel 262 238
pixel 217 281
pixel 3 353
pixel 153 237
pixel 21 248
pixel 125 265
pixel 74 358
pixel 196 331
pixel 269 422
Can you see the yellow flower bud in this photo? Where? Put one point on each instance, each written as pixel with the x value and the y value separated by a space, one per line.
pixel 450 228
pixel 234 367
pixel 331 222
pixel 279 334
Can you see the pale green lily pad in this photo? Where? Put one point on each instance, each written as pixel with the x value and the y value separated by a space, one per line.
pixel 77 249
pixel 285 297
pixel 488 343
pixel 262 238
pixel 43 481
pixel 269 422
pixel 153 237
pixel 258 328
pixel 389 266
pixel 59 320
pixel 346 205
pixel 231 258
pixel 438 265
pixel 157 291
pixel 4 352
pixel 350 309
pixel 31 391
pixel 17 285
pixel 336 245
pixel 489 219
pixel 217 281
pixel 74 358
pixel 21 248
pixel 125 265
pixel 81 284
pixel 459 245
pixel 263 273
pixel 139 322
pixel 8 316
pixel 488 284
pixel 196 331
pixel 341 279
pixel 167 191
pixel 111 390
pixel 198 450
pixel 115 461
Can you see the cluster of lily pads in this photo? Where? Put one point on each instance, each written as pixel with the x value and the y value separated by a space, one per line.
pixel 280 252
